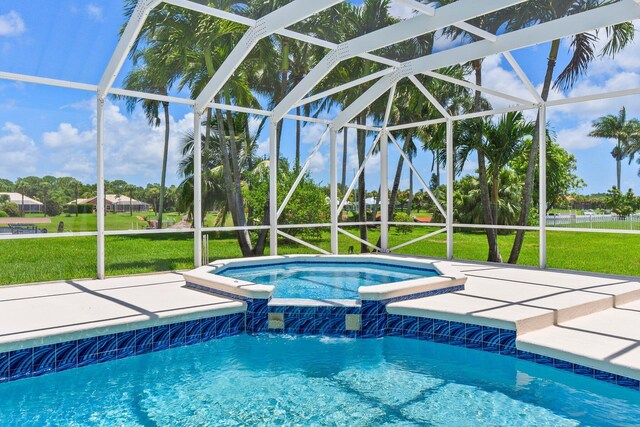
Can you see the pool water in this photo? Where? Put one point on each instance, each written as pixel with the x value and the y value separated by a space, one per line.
pixel 324 280
pixel 269 380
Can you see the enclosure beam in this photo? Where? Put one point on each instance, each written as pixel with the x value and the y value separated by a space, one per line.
pixel 430 97
pixel 333 190
pixel 128 38
pixel 418 175
pixel 542 184
pixel 472 86
pixel 197 189
pixel 302 173
pixel 345 197
pixel 100 212
pixel 523 76
pixel 273 188
pixel 280 18
pixel 450 177
pixel 603 16
pixel 384 192
pixel 392 34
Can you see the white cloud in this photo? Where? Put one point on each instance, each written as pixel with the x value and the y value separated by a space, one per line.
pixel 442 42
pixel 577 138
pixel 19 154
pixel 12 24
pixel 67 135
pixel 400 11
pixel 312 132
pixel 94 11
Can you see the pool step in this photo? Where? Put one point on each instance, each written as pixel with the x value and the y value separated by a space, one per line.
pixel 608 340
pixel 527 301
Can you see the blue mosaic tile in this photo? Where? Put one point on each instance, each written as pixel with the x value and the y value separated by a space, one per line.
pixel 441 327
pixel 583 370
pixel 628 382
pixel 161 337
pixel 562 364
pixel 4 367
pixel 20 363
pixel 425 328
pixel 394 325
pixel 491 348
pixel 44 360
pixel 177 334
pixel 525 355
pixel 126 344
pixel 372 308
pixel 333 325
pixel 473 336
pixel 372 326
pixel 604 376
pixel 66 355
pixel 410 327
pixel 87 351
pixel 223 324
pixel 299 325
pixel 107 343
pixel 278 308
pixel 543 360
pixel 144 340
pixel 508 351
pixel 236 323
pixel 107 356
pixel 208 329
pixel 507 338
pixel 457 334
pixel 193 332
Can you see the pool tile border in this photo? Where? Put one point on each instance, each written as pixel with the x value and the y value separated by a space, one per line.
pixel 303 320
pixel 36 361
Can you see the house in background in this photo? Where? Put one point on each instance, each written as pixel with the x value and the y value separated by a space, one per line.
pixel 26 204
pixel 116 203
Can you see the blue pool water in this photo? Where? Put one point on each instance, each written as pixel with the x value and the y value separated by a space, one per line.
pixel 324 280
pixel 267 380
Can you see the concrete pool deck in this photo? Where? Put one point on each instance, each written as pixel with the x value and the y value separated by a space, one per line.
pixel 587 319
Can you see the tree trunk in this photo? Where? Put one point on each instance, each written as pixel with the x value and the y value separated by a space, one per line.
pixel 297 141
pixel 362 192
pixel 495 196
pixel 284 72
pixel 410 201
pixel 494 250
pixel 227 172
pixel 343 184
pixel 243 235
pixel 618 165
pixel 165 153
pixel 527 192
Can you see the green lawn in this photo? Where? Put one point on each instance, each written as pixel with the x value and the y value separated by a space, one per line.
pixel 33 260
pixel 112 221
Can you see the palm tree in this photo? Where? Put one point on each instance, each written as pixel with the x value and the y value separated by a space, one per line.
pixel 152 73
pixel 502 141
pixel 584 51
pixel 622 130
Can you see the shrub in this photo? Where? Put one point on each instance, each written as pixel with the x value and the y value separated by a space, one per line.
pixel 3 214
pixel 402 217
pixel 11 209
pixel 53 209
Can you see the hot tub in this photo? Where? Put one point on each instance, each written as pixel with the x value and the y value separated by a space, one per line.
pixel 323 294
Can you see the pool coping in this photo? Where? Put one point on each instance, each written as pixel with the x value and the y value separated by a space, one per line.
pixel 448 276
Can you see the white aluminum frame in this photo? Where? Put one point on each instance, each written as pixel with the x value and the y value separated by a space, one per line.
pixel 429 19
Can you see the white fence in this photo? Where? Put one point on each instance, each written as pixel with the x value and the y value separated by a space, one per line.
pixel 600 221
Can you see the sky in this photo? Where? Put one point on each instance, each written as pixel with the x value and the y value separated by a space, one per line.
pixel 51 131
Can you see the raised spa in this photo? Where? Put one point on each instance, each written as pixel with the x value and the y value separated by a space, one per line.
pixel 324 277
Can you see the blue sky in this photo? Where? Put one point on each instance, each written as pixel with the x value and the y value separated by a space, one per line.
pixel 46 130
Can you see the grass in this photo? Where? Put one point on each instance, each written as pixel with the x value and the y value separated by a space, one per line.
pixel 88 222
pixel 34 260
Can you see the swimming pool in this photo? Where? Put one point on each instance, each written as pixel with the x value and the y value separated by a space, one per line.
pixel 324 280
pixel 275 380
